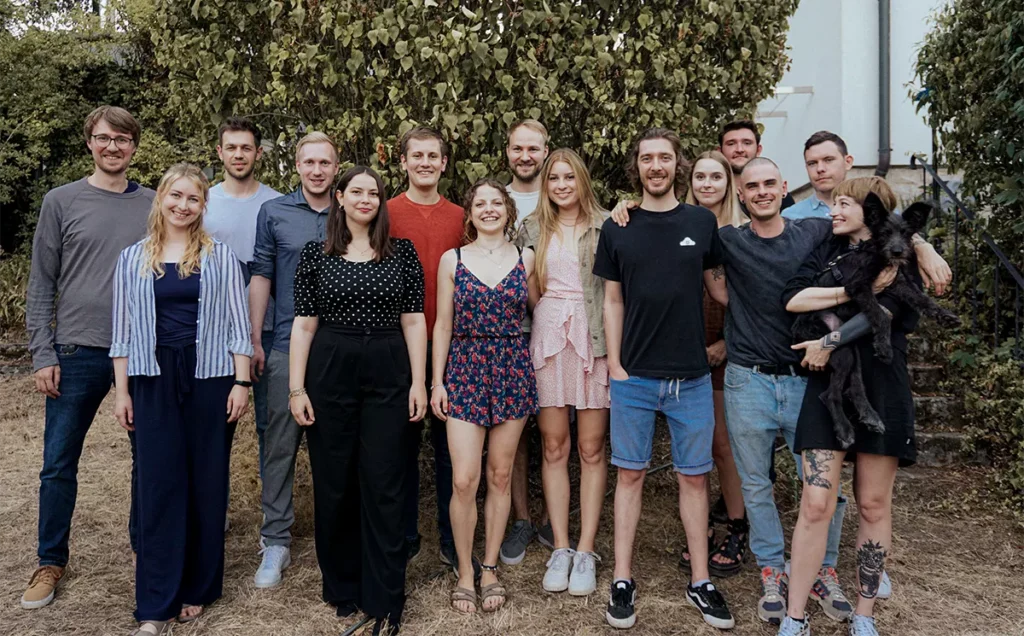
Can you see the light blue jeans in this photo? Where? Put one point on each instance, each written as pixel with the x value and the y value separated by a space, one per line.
pixel 757 408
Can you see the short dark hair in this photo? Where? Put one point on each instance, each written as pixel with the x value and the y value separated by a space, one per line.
pixel 422 132
pixel 821 137
pixel 239 124
pixel 118 118
pixel 682 175
pixel 740 124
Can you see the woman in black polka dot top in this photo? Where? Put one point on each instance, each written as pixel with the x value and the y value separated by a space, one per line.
pixel 356 373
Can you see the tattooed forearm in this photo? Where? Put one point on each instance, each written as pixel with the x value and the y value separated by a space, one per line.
pixel 817 469
pixel 831 340
pixel 718 273
pixel 870 564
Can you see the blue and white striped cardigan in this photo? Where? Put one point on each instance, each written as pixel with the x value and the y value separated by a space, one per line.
pixel 223 327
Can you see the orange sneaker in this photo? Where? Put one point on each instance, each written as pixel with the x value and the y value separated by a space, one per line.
pixel 41 587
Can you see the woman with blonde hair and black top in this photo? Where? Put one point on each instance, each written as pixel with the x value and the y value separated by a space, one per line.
pixel 181 353
pixel 568 351
pixel 356 372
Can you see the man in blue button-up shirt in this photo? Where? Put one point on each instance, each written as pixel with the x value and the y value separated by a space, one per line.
pixel 283 227
pixel 827 164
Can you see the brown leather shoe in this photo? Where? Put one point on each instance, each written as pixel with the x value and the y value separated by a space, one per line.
pixel 41 587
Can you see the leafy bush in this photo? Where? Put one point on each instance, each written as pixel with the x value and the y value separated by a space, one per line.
pixel 594 72
pixel 13 283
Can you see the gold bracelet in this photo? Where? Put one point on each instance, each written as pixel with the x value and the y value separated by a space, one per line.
pixel 296 392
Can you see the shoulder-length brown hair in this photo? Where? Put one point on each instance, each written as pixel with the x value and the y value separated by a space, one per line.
pixel 469 232
pixel 338 234
pixel 730 213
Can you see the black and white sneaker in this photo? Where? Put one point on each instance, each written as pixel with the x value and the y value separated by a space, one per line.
pixel 711 604
pixel 621 613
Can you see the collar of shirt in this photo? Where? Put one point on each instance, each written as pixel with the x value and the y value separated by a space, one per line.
pixel 298 199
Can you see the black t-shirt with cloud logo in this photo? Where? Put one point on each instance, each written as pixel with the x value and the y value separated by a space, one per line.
pixel 660 258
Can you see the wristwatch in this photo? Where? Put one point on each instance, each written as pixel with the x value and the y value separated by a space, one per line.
pixel 247 384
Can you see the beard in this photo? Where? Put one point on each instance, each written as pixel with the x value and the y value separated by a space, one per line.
pixel 529 176
pixel 242 175
pixel 657 192
pixel 101 165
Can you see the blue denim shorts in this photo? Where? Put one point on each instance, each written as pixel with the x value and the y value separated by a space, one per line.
pixel 689 408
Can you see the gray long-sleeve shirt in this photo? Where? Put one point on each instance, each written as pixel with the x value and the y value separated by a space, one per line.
pixel 82 230
pixel 283 228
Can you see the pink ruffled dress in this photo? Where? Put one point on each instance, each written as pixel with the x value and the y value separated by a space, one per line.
pixel 567 372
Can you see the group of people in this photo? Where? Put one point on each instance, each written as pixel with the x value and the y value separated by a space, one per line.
pixel 354 318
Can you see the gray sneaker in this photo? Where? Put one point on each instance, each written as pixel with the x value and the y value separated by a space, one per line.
pixel 771 607
pixel 862 626
pixel 583 578
pixel 513 548
pixel 792 627
pixel 556 579
pixel 829 594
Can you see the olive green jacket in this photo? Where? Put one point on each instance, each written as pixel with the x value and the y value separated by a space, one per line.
pixel 593 286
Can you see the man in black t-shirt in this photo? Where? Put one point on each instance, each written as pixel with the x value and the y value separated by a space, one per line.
pixel 654 326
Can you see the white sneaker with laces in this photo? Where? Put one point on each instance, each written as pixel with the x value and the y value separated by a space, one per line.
pixel 583 578
pixel 275 559
pixel 556 579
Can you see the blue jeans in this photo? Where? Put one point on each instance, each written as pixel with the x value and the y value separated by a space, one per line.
pixel 86 375
pixel 757 408
pixel 259 398
pixel 688 406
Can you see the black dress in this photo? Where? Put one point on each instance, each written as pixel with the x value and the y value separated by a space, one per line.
pixel 887 385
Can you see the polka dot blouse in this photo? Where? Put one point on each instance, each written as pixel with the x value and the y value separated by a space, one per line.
pixel 367 294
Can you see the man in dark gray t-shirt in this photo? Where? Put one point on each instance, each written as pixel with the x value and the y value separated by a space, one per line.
pixel 83 226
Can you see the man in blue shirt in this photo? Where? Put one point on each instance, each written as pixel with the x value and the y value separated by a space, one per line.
pixel 827 164
pixel 284 226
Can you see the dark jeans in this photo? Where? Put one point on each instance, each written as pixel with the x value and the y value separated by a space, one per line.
pixel 442 475
pixel 259 397
pixel 86 375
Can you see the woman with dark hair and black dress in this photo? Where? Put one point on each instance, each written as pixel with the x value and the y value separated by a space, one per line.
pixel 356 370
pixel 876 455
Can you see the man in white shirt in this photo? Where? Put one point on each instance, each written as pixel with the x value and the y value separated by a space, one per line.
pixel 526 151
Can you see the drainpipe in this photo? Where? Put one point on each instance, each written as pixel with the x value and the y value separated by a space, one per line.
pixel 884 114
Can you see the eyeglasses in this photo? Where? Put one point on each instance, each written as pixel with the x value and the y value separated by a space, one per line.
pixel 120 142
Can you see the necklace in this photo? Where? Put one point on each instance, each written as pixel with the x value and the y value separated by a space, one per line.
pixel 362 252
pixel 490 253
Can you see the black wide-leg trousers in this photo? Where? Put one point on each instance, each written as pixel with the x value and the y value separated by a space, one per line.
pixel 358 382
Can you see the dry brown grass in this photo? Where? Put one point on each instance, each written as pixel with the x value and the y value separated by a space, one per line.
pixel 957 570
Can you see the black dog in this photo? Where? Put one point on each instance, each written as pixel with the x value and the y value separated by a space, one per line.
pixel 890 244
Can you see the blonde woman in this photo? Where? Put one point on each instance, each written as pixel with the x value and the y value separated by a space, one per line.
pixel 181 353
pixel 568 350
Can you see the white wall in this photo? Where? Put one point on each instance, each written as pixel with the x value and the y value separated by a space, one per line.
pixel 834 51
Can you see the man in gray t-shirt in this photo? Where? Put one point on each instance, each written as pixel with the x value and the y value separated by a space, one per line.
pixel 83 226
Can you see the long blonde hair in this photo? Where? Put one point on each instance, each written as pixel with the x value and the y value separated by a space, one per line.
pixel 547 211
pixel 730 212
pixel 199 242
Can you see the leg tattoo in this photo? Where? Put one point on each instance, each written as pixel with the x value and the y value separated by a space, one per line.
pixel 870 564
pixel 817 468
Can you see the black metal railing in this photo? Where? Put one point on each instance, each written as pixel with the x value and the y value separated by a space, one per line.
pixel 969 235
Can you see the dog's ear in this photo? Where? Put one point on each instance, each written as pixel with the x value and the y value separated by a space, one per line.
pixel 874 210
pixel 916 215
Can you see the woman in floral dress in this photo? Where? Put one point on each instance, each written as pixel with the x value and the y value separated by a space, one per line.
pixel 489 388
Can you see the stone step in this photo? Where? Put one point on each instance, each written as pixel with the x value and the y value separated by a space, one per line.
pixel 921 350
pixel 926 378
pixel 937 412
pixel 945 448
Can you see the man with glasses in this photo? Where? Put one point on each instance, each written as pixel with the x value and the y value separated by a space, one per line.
pixel 83 226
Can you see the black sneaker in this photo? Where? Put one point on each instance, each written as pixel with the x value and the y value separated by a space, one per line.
pixel 621 613
pixel 448 556
pixel 711 604
pixel 412 549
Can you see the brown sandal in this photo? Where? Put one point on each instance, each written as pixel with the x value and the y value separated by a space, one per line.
pixel 494 590
pixel 461 594
pixel 188 619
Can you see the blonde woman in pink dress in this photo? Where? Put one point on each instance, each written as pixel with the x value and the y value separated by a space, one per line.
pixel 568 350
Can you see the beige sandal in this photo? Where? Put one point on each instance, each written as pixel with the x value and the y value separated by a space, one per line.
pixel 494 590
pixel 152 628
pixel 461 594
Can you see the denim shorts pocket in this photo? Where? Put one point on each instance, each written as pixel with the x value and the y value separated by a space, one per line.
pixel 737 377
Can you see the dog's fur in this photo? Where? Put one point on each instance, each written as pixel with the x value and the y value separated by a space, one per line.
pixel 891 244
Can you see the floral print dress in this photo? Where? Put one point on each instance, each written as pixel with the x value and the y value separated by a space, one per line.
pixel 490 375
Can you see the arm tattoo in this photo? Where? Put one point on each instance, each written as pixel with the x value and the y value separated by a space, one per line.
pixel 817 468
pixel 831 340
pixel 718 272
pixel 870 564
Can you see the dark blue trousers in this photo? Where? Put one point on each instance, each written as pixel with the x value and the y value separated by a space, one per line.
pixel 181 443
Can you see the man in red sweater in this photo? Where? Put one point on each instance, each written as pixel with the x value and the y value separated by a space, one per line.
pixel 434 225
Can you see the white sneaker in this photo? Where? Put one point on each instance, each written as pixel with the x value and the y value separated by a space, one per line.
pixel 884 587
pixel 275 559
pixel 556 579
pixel 583 579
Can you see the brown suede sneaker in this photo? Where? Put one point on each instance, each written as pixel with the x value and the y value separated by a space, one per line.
pixel 41 587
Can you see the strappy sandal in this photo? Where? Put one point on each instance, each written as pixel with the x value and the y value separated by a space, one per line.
pixel 733 548
pixel 461 594
pixel 494 590
pixel 161 628
pixel 188 619
pixel 684 558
